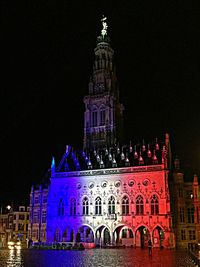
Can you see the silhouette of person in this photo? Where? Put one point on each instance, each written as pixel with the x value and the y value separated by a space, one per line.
pixel 150 247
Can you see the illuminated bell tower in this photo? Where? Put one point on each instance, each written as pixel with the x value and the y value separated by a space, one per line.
pixel 103 111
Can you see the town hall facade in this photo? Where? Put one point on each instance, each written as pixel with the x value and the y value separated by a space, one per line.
pixel 107 193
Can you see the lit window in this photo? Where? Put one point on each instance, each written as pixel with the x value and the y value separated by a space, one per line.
pixel 125 206
pixel 111 205
pixel 154 205
pixel 139 205
pixel 73 206
pixel 85 206
pixel 98 206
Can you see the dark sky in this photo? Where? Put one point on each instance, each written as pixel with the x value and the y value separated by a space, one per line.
pixel 46 60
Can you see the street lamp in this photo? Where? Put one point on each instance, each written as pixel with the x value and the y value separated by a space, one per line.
pixel 8 207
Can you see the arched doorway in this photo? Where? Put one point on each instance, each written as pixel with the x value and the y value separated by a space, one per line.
pixel 158 237
pixel 57 235
pixel 86 234
pixel 71 239
pixel 106 237
pixel 142 236
pixel 127 237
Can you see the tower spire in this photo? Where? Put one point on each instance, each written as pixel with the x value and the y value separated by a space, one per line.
pixel 103 111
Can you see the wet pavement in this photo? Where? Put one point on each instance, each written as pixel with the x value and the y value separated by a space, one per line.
pixel 96 257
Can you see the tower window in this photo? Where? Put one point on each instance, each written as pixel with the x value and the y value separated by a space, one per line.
pixel 94 118
pixel 102 117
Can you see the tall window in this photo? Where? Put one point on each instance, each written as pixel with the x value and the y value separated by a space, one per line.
pixel 192 235
pixel 182 216
pixel 139 205
pixel 61 208
pixel 94 117
pixel 98 207
pixel 180 192
pixel 102 116
pixel 183 235
pixel 111 205
pixel 154 205
pixel 85 206
pixel 44 214
pixel 190 215
pixel 73 206
pixel 35 217
pixel 125 206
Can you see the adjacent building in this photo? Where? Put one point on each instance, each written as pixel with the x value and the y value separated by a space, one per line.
pixel 185 203
pixel 14 226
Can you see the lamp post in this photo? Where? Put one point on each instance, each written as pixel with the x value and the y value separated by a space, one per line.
pixel 8 207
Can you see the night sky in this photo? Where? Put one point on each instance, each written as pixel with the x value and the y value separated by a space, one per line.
pixel 46 60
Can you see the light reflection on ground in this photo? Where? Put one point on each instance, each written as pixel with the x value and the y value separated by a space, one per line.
pixel 94 258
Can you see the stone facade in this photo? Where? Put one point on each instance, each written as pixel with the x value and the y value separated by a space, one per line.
pixel 185 202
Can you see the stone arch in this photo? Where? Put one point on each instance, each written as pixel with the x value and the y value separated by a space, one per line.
pixel 67 234
pixel 102 235
pixel 142 235
pixel 124 235
pixel 158 236
pixel 86 234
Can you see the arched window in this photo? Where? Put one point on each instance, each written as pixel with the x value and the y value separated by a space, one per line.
pixel 94 117
pixel 111 205
pixel 73 206
pixel 154 205
pixel 98 207
pixel 85 206
pixel 139 205
pixel 125 205
pixel 61 208
pixel 102 115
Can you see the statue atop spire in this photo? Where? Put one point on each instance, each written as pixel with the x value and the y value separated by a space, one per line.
pixel 105 26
